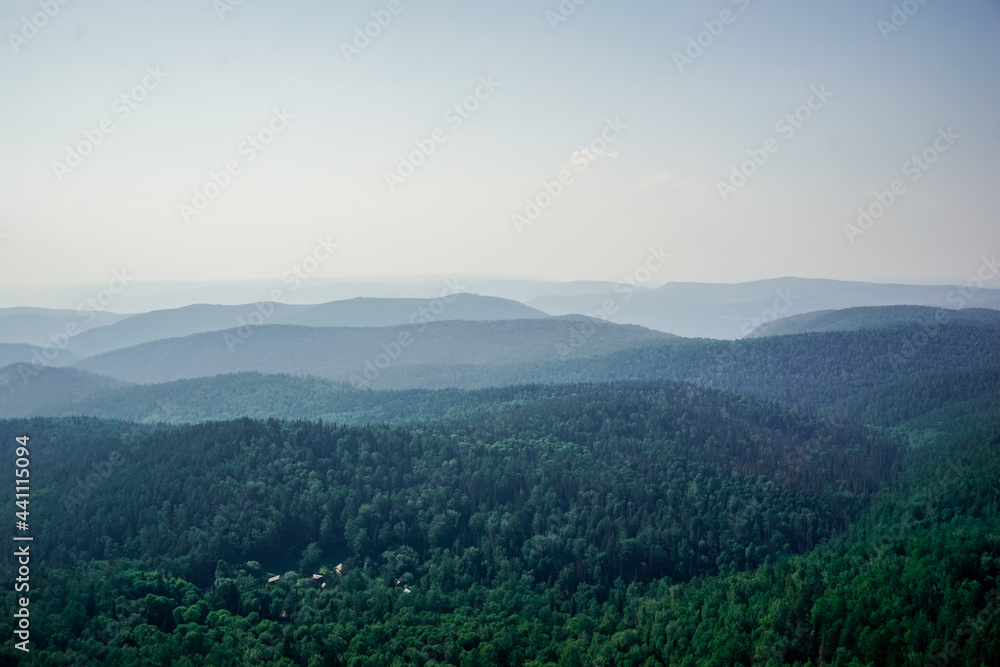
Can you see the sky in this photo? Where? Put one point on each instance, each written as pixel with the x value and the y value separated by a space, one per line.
pixel 207 141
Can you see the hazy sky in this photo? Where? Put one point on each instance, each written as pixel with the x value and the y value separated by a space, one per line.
pixel 678 128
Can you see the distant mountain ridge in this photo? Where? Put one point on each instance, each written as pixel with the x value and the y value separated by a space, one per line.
pixel 695 310
pixel 730 311
pixel 127 331
pixel 14 353
pixel 144 297
pixel 43 326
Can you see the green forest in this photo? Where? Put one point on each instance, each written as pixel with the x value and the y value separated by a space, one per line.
pixel 555 333
pixel 627 523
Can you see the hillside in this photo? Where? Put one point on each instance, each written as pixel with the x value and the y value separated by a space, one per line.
pixel 940 400
pixel 180 322
pixel 954 379
pixel 811 370
pixel 881 317
pixel 346 353
pixel 23 387
pixel 15 353
pixel 614 523
pixel 559 488
pixel 935 400
pixel 255 395
pixel 623 523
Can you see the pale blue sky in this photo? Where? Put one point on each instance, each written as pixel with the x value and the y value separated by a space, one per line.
pixel 657 185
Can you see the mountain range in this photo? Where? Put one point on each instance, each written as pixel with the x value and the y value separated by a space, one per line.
pixel 316 372
pixel 425 467
pixel 696 310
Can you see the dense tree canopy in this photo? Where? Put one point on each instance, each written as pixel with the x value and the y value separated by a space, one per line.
pixel 635 523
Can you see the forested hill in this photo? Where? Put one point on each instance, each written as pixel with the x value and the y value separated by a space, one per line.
pixel 931 400
pixel 260 396
pixel 879 377
pixel 24 387
pixel 15 353
pixel 202 318
pixel 926 400
pixel 342 353
pixel 811 369
pixel 585 450
pixel 557 529
pixel 876 317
